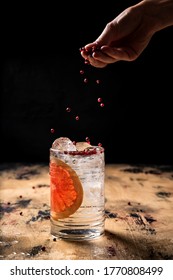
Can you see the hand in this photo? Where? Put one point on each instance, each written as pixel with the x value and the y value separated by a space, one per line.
pixel 124 38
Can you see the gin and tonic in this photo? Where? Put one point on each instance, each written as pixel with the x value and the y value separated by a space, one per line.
pixel 77 190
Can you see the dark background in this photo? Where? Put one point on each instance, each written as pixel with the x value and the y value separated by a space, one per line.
pixel 40 78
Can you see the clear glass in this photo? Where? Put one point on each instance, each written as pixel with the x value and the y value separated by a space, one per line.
pixel 87 222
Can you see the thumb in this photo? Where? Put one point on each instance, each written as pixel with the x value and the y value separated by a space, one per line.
pixel 108 35
pixel 104 39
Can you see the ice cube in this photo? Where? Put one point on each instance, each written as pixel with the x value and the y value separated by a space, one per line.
pixel 63 144
pixel 81 146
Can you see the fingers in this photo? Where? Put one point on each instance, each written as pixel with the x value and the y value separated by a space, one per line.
pixel 104 56
pixel 97 57
pixel 126 54
pixel 88 53
pixel 101 56
pixel 92 61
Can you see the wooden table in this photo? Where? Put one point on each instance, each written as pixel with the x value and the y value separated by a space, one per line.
pixel 138 209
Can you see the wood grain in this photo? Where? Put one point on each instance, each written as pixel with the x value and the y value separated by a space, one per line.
pixel 138 210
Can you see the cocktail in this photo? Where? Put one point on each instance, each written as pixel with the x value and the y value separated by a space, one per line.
pixel 77 190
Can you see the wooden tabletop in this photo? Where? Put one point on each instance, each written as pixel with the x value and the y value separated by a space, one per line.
pixel 138 210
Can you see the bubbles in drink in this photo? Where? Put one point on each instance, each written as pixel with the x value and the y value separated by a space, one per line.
pixel 77 190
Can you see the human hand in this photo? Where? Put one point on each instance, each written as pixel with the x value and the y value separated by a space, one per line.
pixel 124 38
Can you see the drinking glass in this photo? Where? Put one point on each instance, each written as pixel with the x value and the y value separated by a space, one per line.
pixel 77 191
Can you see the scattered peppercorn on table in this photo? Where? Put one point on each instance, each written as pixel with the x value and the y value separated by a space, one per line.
pixel 138 215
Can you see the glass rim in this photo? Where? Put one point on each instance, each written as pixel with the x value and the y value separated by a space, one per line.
pixel 94 150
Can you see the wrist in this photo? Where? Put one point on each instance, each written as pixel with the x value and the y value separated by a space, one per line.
pixel 159 13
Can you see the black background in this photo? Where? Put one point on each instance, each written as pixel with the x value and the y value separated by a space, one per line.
pixel 40 78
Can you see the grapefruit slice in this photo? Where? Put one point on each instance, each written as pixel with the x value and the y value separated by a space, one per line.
pixel 66 190
pixel 81 146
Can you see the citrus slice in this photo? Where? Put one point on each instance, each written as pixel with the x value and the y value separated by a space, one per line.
pixel 66 190
pixel 81 146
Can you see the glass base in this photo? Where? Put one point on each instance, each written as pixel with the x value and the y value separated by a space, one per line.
pixel 79 234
